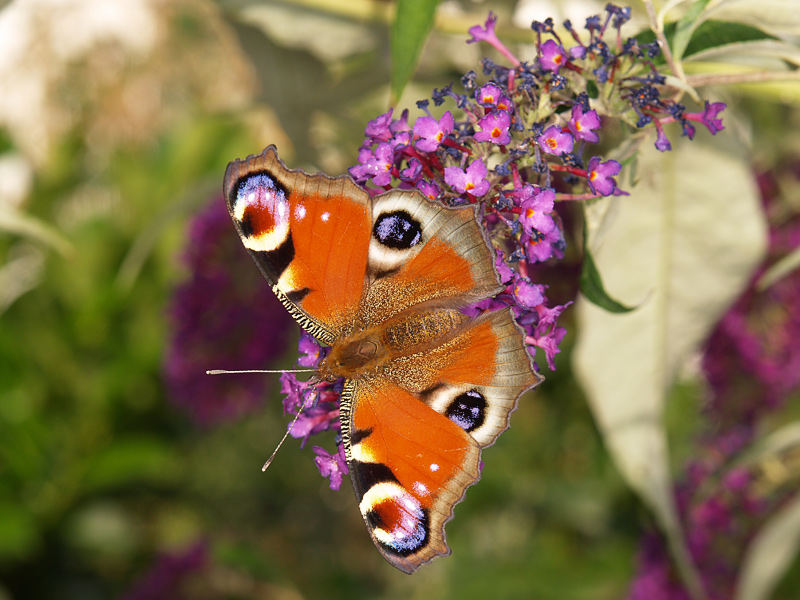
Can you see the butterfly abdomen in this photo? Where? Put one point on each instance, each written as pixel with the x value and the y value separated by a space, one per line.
pixel 421 330
pixel 365 353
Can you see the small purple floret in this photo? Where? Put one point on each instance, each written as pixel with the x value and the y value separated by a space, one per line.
pixel 472 181
pixel 600 175
pixel 555 141
pixel 553 56
pixel 494 128
pixel 582 124
pixel 332 466
pixel 431 132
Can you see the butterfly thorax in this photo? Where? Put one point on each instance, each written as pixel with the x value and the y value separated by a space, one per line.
pixel 368 350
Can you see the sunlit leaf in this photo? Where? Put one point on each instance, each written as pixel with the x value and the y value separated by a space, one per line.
pixel 683 245
pixel 749 53
pixel 17 222
pixel 413 22
pixel 778 17
pixel 788 264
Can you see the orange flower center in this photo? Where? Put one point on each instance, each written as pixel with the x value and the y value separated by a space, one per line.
pixel 496 132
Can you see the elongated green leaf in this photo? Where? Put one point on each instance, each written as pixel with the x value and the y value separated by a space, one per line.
pixel 683 244
pixel 709 34
pixel 788 264
pixel 686 26
pixel 15 221
pixel 412 23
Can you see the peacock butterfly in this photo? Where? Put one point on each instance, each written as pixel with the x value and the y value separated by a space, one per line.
pixel 382 280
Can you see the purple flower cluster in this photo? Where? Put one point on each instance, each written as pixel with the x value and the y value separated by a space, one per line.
pixel 222 316
pixel 169 575
pixel 515 143
pixel 752 363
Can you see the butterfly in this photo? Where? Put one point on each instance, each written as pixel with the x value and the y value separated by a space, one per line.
pixel 383 280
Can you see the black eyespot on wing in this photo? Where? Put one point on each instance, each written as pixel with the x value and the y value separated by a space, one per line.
pixel 397 230
pixel 467 410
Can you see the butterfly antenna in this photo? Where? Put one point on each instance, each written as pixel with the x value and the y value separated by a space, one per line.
pixel 226 372
pixel 283 439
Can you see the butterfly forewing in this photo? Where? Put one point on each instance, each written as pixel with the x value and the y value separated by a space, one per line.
pixel 309 235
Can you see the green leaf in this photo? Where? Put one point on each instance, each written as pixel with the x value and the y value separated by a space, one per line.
pixel 129 460
pixel 686 26
pixel 18 222
pixel 786 265
pixel 591 285
pixel 683 244
pixel 777 17
pixel 709 34
pixel 20 532
pixel 412 23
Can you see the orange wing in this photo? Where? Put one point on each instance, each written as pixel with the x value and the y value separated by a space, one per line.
pixel 413 436
pixel 309 235
pixel 409 465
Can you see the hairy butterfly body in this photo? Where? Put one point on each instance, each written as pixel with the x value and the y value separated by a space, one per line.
pixel 382 280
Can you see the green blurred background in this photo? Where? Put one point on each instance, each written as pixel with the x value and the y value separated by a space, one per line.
pixel 117 120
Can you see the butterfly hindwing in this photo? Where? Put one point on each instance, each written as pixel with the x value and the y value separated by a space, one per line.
pixel 413 435
pixel 409 466
pixel 309 235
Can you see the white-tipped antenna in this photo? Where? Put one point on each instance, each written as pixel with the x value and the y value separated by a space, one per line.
pixel 226 372
pixel 283 439
pixel 297 416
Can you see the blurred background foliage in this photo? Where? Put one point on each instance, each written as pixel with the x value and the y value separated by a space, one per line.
pixel 124 471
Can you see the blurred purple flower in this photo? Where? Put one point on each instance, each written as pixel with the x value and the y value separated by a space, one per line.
pixel 223 316
pixel 169 574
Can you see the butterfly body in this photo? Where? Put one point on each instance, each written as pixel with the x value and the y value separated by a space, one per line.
pixel 384 280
